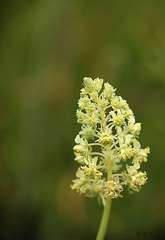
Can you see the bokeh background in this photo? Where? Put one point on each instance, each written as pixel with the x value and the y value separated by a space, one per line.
pixel 46 48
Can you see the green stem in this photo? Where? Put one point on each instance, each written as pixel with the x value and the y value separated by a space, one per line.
pixel 107 208
pixel 104 220
pixel 97 153
pixel 95 144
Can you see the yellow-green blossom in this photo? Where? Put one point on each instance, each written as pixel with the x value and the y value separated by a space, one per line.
pixel 113 189
pixel 107 139
pixel 126 152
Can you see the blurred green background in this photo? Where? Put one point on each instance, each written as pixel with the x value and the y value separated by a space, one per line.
pixel 46 48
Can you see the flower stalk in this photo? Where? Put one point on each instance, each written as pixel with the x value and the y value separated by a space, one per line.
pixel 104 220
pixel 107 208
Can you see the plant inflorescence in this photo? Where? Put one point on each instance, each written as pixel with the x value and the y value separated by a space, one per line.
pixel 107 146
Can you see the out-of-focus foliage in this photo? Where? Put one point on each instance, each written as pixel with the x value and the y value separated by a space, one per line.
pixel 46 48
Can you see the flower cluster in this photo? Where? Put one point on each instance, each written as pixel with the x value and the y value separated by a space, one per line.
pixel 107 140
